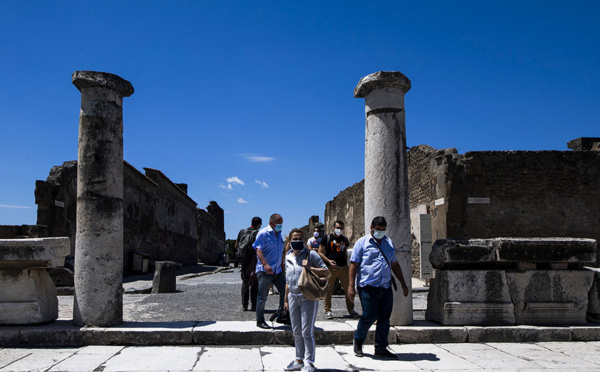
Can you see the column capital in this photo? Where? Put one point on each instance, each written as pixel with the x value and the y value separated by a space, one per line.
pixel 381 79
pixel 88 79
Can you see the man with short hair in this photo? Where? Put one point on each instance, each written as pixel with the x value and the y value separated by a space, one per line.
pixel 315 241
pixel 270 265
pixel 333 251
pixel 246 256
pixel 372 263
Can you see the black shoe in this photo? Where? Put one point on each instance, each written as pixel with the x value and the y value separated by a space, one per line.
pixel 385 353
pixel 358 349
pixel 253 308
pixel 263 325
pixel 244 307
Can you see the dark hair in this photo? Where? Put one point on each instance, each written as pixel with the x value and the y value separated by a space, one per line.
pixel 378 221
pixel 339 223
pixel 274 216
pixel 256 221
pixel 295 230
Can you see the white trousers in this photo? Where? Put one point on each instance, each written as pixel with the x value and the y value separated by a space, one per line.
pixel 303 314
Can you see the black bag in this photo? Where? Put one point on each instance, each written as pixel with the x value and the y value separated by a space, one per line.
pixel 281 316
pixel 245 249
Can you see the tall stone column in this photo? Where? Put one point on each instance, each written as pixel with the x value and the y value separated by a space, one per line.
pixel 386 171
pixel 99 235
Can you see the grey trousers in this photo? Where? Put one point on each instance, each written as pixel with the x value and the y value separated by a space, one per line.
pixel 303 314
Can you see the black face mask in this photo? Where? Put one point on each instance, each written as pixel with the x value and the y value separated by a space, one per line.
pixel 297 245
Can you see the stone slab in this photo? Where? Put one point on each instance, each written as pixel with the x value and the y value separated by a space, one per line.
pixel 488 357
pixel 518 334
pixel 550 297
pixel 231 333
pixel 89 358
pixel 430 334
pixel 154 358
pixel 545 250
pixel 432 357
pixel 141 333
pixel 40 359
pixel 38 252
pixel 585 333
pixel 243 359
pixel 448 253
pixel 62 333
pixel 544 357
pixel 9 335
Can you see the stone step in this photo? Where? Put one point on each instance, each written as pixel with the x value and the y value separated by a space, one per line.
pixel 64 333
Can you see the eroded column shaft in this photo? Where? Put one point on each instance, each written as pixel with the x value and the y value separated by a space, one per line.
pixel 99 235
pixel 386 171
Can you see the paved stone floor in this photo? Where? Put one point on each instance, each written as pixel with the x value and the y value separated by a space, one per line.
pixel 557 356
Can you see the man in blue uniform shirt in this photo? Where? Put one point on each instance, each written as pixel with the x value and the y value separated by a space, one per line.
pixel 269 265
pixel 371 265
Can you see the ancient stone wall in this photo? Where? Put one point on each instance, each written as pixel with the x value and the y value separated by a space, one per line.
pixel 159 217
pixel 347 206
pixel 210 244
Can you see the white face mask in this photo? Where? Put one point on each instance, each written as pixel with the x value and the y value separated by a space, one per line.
pixel 337 232
pixel 377 234
pixel 316 234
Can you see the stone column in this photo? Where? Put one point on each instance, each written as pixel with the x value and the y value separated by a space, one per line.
pixel 386 171
pixel 99 236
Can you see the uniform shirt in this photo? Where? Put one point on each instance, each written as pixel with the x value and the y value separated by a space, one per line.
pixel 271 245
pixel 293 267
pixel 373 269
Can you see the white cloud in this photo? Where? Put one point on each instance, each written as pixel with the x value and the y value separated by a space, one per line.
pixel 263 185
pixel 231 180
pixel 241 201
pixel 13 206
pixel 228 187
pixel 257 158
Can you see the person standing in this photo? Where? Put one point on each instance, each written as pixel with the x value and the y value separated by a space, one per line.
pixel 303 311
pixel 333 251
pixel 371 265
pixel 247 256
pixel 269 265
pixel 315 241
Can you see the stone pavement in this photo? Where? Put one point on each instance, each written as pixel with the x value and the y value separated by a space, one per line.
pixel 531 357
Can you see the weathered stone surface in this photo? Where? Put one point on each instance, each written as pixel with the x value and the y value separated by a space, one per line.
pixel 518 334
pixel 550 297
pixel 232 333
pixel 430 334
pixel 141 334
pixel 470 297
pixel 27 297
pixel 27 253
pixel 99 236
pixel 164 277
pixel 462 253
pixel 589 333
pixel 593 312
pixel 386 174
pixel 61 332
pixel 545 250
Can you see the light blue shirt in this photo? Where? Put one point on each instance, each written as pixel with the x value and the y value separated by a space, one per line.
pixel 373 270
pixel 271 246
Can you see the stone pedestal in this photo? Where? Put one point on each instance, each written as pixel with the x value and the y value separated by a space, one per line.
pixel 27 293
pixel 99 235
pixel 386 172
pixel 164 277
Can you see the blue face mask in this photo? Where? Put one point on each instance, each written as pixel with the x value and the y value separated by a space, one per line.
pixel 278 227
pixel 297 245
pixel 378 234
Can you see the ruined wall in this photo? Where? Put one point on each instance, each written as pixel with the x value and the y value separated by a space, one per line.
pixel 347 206
pixel 159 218
pixel 211 238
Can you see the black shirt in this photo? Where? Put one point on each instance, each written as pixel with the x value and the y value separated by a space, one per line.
pixel 335 248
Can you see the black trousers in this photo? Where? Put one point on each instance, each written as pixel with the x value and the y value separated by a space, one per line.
pixel 248 292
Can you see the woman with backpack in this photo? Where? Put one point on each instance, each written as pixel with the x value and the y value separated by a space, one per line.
pixel 303 311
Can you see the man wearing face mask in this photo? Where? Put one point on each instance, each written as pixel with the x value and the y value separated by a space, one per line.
pixel 333 251
pixel 269 265
pixel 315 241
pixel 372 263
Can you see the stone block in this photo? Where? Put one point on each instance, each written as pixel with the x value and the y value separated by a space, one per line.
pixel 593 311
pixel 9 336
pixel 545 250
pixel 141 334
pixel 417 334
pixel 470 297
pixel 164 277
pixel 550 297
pixel 27 297
pixel 518 334
pixel 590 333
pixel 231 333
pixel 62 333
pixel 457 254
pixel 39 253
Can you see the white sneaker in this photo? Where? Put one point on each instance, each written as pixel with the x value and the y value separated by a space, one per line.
pixel 294 366
pixel 309 368
pixel 329 315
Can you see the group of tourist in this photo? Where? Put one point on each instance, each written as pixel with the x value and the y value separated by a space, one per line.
pixel 368 274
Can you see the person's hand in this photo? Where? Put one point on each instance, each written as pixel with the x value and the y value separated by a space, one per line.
pixel 268 269
pixel 286 306
pixel 305 263
pixel 333 264
pixel 404 289
pixel 351 293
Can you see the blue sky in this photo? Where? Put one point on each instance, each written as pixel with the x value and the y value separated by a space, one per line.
pixel 251 103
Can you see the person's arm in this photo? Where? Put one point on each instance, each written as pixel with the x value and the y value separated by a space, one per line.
pixel 322 272
pixel 398 272
pixel 261 257
pixel 352 280
pixel 286 303
pixel 324 258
